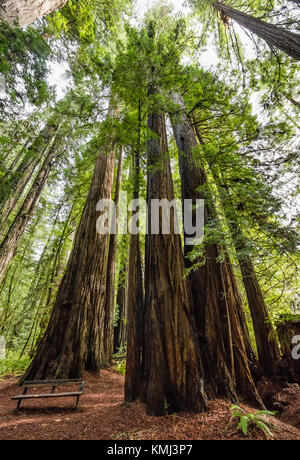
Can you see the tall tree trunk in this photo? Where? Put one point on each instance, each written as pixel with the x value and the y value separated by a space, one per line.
pixel 267 348
pixel 283 39
pixel 108 330
pixel 216 303
pixel 173 377
pixel 135 298
pixel 120 332
pixel 9 246
pixel 255 368
pixel 25 171
pixel 26 12
pixel 72 339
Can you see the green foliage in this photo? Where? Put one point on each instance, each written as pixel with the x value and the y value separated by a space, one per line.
pixel 258 420
pixel 14 366
pixel 23 66
pixel 250 161
pixel 286 319
pixel 86 21
pixel 121 367
pixel 120 361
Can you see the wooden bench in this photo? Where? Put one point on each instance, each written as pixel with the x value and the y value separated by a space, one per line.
pixel 51 384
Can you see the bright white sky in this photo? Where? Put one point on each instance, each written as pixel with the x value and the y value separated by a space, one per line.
pixel 142 6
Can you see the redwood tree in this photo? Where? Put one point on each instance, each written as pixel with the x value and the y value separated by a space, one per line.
pixel 9 245
pixel 217 304
pixel 22 175
pixel 173 377
pixel 267 348
pixel 135 303
pixel 73 338
pixel 280 38
pixel 108 338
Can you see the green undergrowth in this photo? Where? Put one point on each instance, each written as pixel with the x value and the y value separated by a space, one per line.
pixel 13 366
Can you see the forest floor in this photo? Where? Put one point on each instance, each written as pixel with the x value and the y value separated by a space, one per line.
pixel 103 416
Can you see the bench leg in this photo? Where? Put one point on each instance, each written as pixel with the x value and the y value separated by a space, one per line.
pixel 77 401
pixel 19 404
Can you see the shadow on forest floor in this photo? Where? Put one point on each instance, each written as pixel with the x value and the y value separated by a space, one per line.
pixel 103 415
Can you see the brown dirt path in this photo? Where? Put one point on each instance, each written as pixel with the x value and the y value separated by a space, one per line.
pixel 102 415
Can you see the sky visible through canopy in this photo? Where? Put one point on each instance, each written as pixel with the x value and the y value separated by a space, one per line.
pixel 140 9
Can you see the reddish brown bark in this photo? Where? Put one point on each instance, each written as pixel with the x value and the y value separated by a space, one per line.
pixel 107 354
pixel 173 377
pixel 216 303
pixel 135 298
pixel 73 338
pixel 267 348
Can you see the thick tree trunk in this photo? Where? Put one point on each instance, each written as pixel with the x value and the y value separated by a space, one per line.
pixel 25 171
pixel 108 339
pixel 135 306
pixel 267 348
pixel 73 337
pixel 216 303
pixel 9 246
pixel 96 308
pixel 255 367
pixel 280 38
pixel 173 376
pixel 27 11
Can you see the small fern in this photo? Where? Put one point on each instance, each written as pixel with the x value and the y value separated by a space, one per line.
pixel 121 367
pixel 258 419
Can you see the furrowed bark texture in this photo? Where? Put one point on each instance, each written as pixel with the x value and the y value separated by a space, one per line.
pixel 216 302
pixel 267 348
pixel 108 339
pixel 73 338
pixel 281 38
pixel 135 299
pixel 255 367
pixel 27 11
pixel 173 376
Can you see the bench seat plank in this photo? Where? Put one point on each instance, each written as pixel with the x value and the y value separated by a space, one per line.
pixel 48 395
